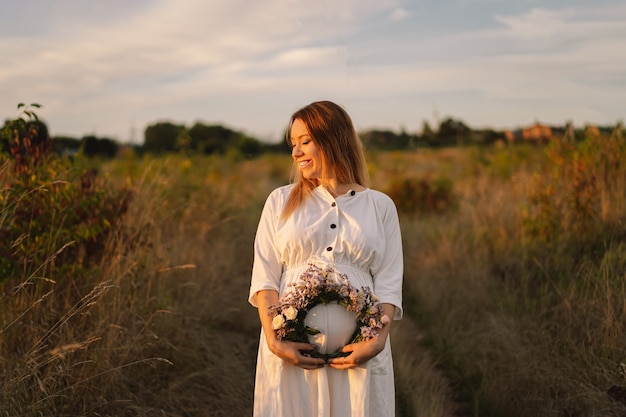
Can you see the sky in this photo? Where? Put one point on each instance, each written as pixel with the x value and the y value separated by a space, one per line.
pixel 111 68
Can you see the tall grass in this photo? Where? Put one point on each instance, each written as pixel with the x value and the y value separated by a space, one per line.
pixel 159 326
pixel 522 290
pixel 514 289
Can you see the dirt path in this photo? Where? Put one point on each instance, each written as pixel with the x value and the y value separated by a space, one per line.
pixel 422 389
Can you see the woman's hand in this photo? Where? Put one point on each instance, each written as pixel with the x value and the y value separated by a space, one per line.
pixel 291 352
pixel 360 353
pixel 295 354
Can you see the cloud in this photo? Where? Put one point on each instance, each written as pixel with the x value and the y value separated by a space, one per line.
pixel 250 64
pixel 400 14
pixel 538 23
pixel 314 57
pixel 172 52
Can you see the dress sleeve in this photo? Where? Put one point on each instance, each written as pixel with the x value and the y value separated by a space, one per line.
pixel 388 277
pixel 266 267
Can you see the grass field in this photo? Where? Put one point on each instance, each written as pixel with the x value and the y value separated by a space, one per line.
pixel 514 284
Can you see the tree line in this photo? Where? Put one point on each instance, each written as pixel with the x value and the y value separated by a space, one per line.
pixel 166 137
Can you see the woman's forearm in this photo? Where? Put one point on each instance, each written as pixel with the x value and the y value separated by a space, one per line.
pixel 266 299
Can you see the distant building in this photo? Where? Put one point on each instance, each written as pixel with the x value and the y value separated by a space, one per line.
pixel 538 132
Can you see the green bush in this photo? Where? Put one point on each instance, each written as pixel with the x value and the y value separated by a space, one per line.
pixel 569 200
pixel 425 195
pixel 53 216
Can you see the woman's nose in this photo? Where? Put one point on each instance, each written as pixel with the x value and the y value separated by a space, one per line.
pixel 295 151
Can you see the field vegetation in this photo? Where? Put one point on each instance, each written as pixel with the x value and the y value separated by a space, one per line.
pixel 124 282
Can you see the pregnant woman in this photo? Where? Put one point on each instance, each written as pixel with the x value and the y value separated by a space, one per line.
pixel 328 213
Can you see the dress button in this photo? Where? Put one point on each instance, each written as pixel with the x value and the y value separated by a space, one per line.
pixel 332 226
pixel 334 204
pixel 352 192
pixel 329 248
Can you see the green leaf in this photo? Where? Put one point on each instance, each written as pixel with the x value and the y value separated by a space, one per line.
pixel 311 331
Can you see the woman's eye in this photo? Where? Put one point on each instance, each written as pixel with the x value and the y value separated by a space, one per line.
pixel 306 142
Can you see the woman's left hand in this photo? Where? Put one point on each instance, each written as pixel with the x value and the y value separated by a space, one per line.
pixel 360 353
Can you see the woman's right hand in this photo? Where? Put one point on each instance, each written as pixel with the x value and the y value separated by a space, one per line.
pixel 291 352
pixel 294 353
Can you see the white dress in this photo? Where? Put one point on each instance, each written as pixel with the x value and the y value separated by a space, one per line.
pixel 359 233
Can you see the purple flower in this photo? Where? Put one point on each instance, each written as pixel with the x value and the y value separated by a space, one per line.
pixel 319 282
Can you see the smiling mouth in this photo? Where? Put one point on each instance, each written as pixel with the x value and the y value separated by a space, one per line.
pixel 303 164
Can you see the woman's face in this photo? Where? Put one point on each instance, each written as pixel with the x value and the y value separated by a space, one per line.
pixel 305 152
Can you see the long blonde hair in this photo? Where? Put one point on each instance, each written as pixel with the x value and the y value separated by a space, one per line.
pixel 343 158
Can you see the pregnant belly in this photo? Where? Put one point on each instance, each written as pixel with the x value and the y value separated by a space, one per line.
pixel 335 325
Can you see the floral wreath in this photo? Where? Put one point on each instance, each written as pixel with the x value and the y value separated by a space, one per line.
pixel 320 283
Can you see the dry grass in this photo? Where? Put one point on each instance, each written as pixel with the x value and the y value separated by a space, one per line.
pixel 499 321
pixel 421 387
pixel 161 326
pixel 522 326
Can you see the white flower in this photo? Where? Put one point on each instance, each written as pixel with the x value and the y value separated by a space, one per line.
pixel 385 319
pixel 278 321
pixel 291 313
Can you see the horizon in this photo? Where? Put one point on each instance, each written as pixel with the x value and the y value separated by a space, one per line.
pixel 418 132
